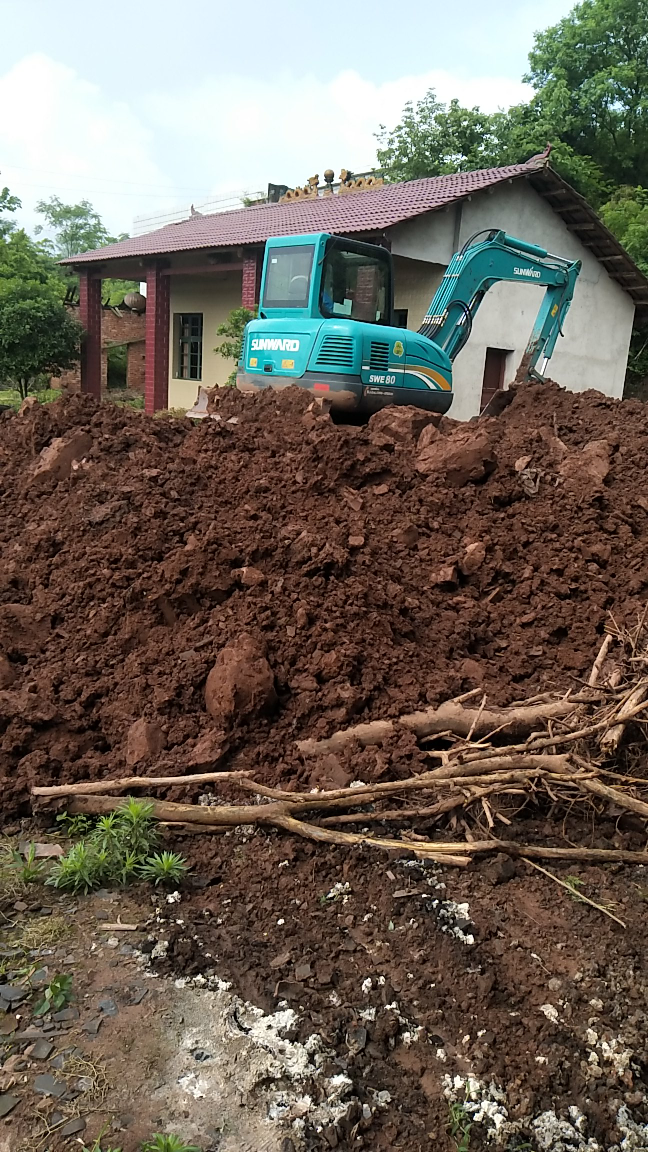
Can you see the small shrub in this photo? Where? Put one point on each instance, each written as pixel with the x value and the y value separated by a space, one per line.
pixel 163 868
pixel 167 1143
pixel 57 994
pixel 28 868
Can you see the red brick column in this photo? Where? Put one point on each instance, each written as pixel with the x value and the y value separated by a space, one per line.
pixel 157 340
pixel 249 291
pixel 90 317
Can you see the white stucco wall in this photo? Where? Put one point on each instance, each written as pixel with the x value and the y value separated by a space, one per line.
pixel 215 295
pixel 594 351
pixel 415 282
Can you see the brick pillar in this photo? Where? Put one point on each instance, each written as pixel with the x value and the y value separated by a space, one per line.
pixel 157 340
pixel 90 317
pixel 249 291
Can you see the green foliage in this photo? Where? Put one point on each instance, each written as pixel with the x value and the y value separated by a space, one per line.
pixel 57 994
pixel 163 868
pixel 233 328
pixel 28 868
pixel 434 138
pixel 76 227
pixel 459 1125
pixel 37 336
pixel 119 849
pixel 167 1143
pixel 626 214
pixel 74 826
pixel 8 203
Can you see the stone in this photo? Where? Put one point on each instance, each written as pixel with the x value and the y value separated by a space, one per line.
pixel 41 1050
pixel 91 1027
pixel 108 1006
pixel 209 750
pixel 303 971
pixel 13 993
pixel 144 741
pixel 446 575
pixel 47 1085
pixel 8 1103
pixel 586 467
pixel 249 577
pixel 356 541
pixel 20 906
pixel 8 1024
pixel 280 961
pixel 241 683
pixel 399 424
pixel 137 995
pixel 473 558
pixel 467 456
pixel 57 460
pixel 73 1126
pixel 66 1014
pixel 7 672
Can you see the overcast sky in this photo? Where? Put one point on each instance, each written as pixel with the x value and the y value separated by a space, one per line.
pixel 147 106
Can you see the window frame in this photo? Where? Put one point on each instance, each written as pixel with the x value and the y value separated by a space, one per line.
pixel 267 304
pixel 374 252
pixel 181 343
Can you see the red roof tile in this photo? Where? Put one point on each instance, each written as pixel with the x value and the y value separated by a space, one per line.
pixel 369 211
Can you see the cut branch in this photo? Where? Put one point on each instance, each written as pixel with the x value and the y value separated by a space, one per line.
pixel 96 787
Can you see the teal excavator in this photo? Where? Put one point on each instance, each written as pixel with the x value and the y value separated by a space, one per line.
pixel 326 311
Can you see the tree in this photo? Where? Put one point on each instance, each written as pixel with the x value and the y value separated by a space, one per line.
pixel 233 328
pixel 37 337
pixel 433 138
pixel 626 214
pixel 590 73
pixel 76 227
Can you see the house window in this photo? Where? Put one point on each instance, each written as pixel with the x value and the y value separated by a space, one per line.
pixel 494 369
pixel 188 330
pixel 400 318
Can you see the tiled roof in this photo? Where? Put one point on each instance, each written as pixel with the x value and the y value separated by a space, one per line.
pixel 369 211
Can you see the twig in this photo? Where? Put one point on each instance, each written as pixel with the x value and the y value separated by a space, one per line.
pixel 598 663
pixel 96 787
pixel 621 798
pixel 584 899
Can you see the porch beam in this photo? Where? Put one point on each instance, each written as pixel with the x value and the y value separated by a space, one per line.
pixel 158 297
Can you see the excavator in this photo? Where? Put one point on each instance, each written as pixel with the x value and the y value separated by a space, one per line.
pixel 325 319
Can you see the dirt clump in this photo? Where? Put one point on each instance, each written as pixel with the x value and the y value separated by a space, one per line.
pixel 241 683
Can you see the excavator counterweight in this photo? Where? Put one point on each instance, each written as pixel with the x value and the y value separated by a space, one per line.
pixel 325 319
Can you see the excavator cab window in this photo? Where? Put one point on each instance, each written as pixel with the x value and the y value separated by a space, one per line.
pixel 288 276
pixel 356 282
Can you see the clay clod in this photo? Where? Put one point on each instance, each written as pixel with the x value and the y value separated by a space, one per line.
pixel 144 741
pixel 466 456
pixel 241 683
pixel 56 461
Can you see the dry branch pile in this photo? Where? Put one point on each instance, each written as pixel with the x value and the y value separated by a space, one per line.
pixel 560 755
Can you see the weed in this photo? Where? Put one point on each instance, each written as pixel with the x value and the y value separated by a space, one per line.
pixel 29 869
pixel 167 1143
pixel 459 1125
pixel 57 994
pixel 163 868
pixel 119 849
pixel 74 826
pixel 574 883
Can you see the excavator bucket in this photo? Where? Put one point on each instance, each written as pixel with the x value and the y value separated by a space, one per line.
pixel 199 410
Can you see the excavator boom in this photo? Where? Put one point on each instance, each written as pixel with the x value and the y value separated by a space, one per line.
pixel 485 261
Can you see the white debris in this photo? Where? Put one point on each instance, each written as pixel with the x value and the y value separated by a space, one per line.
pixel 367 985
pixel 484 1103
pixel 635 1136
pixel 615 1054
pixel 555 1135
pixel 339 890
pixel 596 1004
pixel 193 1085
pixel 173 898
pixel 160 950
pixel 368 1014
pixel 550 1012
pixel 455 919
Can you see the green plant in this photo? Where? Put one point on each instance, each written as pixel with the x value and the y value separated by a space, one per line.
pixel 233 328
pixel 29 869
pixel 574 883
pixel 57 994
pixel 459 1125
pixel 167 1143
pixel 74 826
pixel 163 868
pixel 117 850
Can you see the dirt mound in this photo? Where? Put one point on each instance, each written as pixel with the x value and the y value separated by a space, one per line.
pixel 372 576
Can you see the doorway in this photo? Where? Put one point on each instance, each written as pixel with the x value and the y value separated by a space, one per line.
pixel 494 371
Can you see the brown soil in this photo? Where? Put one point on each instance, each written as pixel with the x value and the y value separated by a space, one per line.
pixel 343 560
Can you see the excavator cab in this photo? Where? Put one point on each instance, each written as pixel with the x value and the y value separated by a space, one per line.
pixel 326 309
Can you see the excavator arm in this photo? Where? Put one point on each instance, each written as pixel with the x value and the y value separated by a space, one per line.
pixel 484 262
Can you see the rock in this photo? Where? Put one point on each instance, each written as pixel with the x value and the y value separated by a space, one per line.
pixel 473 558
pixel 28 403
pixel 8 1024
pixel 280 961
pixel 7 1104
pixel 428 436
pixel 66 1014
pixel 7 673
pixel 137 995
pixel 502 869
pixel 241 683
pixel 399 424
pixel 356 541
pixel 108 1007
pixel 56 461
pixel 303 971
pixel 91 1027
pixel 144 741
pixel 41 1050
pixel 73 1126
pixel 209 750
pixel 249 577
pixel 465 457
pixel 47 1085
pixel 407 536
pixel 13 993
pixel 586 467
pixel 446 574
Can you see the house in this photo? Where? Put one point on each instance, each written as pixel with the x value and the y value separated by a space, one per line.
pixel 197 270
